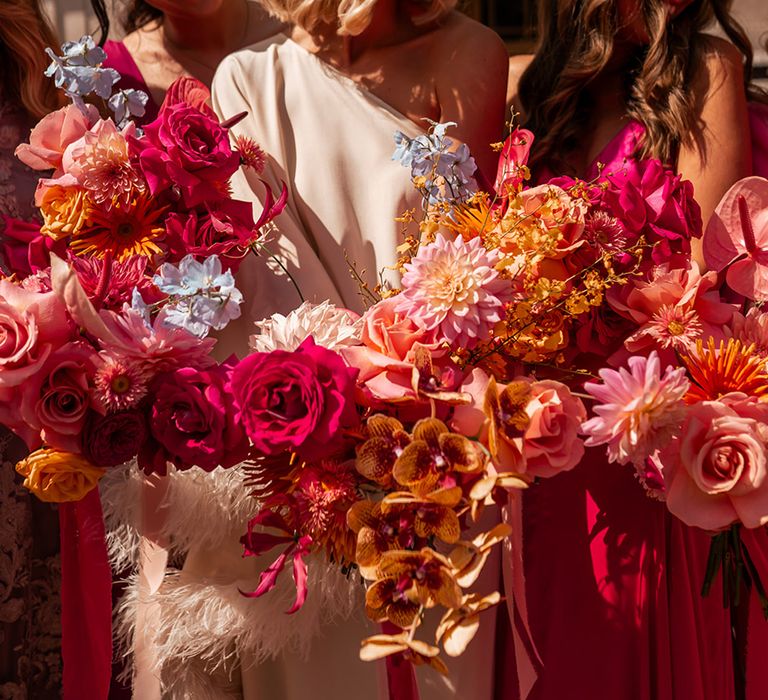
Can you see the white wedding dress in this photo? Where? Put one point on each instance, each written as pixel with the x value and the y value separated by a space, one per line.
pixel 330 141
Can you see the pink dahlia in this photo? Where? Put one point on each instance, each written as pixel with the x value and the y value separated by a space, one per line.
pixel 453 289
pixel 639 409
pixel 752 329
pixel 102 164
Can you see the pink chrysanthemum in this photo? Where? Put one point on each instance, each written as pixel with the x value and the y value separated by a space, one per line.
pixel 639 409
pixel 119 384
pixel 251 155
pixel 453 288
pixel 105 166
pixel 675 327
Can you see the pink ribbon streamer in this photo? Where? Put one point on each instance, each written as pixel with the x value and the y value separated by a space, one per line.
pixel 86 600
pixel 401 678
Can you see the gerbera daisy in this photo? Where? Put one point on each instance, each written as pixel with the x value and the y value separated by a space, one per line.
pixel 725 368
pixel 135 229
pixel 675 327
pixel 119 383
pixel 604 232
pixel 639 409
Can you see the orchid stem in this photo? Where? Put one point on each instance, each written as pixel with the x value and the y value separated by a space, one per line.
pixel 284 269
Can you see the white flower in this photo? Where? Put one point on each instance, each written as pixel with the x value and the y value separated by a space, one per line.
pixel 330 326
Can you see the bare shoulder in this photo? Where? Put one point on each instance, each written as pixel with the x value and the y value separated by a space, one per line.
pixel 720 68
pixel 466 40
pixel 517 66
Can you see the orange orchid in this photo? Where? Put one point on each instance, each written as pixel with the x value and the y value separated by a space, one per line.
pixel 428 382
pixel 435 453
pixel 507 419
pixel 418 653
pixel 459 626
pixel 430 574
pixel 386 441
pixel 468 558
pixel 433 514
pixel 379 532
pixel 388 599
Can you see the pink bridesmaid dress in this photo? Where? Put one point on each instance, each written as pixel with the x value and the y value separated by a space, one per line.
pixel 613 584
pixel 119 58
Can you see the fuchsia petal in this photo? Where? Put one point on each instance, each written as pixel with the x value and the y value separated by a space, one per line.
pixel 268 578
pixel 300 575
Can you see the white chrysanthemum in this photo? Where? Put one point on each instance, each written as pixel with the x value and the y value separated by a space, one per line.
pixel 330 326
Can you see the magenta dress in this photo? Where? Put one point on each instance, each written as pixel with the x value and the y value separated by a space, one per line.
pixel 613 584
pixel 119 58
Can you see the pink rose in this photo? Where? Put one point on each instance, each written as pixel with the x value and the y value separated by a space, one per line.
pixel 187 149
pixel 551 441
pixel 716 475
pixel 298 401
pixel 224 229
pixel 31 326
pixel 53 133
pixel 55 400
pixel 192 422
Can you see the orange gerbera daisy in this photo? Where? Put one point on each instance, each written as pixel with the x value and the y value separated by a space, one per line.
pixel 135 229
pixel 719 370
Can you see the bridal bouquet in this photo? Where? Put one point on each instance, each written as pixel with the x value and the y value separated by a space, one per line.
pixel 691 412
pixel 106 318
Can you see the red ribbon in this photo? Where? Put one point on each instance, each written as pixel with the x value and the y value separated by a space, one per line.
pixel 401 679
pixel 86 600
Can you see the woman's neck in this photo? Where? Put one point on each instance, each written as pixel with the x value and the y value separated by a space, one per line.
pixel 222 31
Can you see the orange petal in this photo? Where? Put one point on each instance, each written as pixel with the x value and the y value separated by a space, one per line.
pixel 375 459
pixel 414 464
pixel 429 429
pixel 462 453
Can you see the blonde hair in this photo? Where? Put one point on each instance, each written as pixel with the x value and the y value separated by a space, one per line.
pixel 576 40
pixel 24 34
pixel 351 17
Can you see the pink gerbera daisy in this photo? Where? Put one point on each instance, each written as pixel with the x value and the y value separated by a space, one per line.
pixel 675 327
pixel 119 383
pixel 639 409
pixel 453 288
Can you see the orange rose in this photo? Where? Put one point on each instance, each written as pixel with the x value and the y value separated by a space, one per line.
pixel 64 206
pixel 58 477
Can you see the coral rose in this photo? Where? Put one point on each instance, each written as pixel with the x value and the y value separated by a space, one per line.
pixel 298 401
pixel 58 477
pixel 716 474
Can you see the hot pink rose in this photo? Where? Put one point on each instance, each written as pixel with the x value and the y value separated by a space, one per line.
pixel 187 149
pixel 24 249
pixel 53 133
pixel 192 422
pixel 716 475
pixel 224 229
pixel 55 400
pixel 551 441
pixel 298 401
pixel 31 326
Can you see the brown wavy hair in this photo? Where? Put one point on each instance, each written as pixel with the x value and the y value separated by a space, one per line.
pixel 25 33
pixel 576 42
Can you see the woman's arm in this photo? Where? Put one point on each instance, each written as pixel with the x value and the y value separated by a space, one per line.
pixel 471 89
pixel 718 154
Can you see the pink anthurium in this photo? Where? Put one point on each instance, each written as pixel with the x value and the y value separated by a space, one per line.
pixel 736 239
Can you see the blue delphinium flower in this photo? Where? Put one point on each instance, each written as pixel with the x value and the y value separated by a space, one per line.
pixel 85 52
pixel 201 296
pixel 447 171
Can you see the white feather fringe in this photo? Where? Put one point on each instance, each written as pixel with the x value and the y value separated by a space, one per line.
pixel 201 509
pixel 203 626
